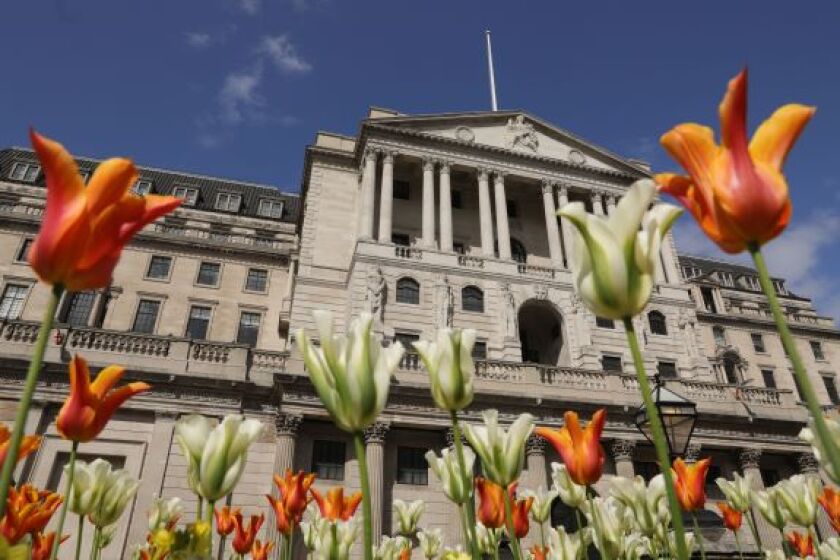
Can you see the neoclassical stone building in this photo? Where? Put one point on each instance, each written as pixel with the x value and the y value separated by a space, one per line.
pixel 425 221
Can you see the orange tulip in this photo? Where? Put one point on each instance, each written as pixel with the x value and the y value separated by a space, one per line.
pixel 224 520
pixel 732 518
pixel 690 483
pixel 42 545
pixel 800 543
pixel 85 228
pixel 580 449
pixel 244 535
pixel 27 445
pixel 294 490
pixel 90 405
pixel 335 506
pixel 539 552
pixel 28 510
pixel 491 509
pixel 830 501
pixel 261 551
pixel 405 553
pixel 520 510
pixel 285 523
pixel 735 191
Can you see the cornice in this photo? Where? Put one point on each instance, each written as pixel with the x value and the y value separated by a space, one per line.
pixel 746 321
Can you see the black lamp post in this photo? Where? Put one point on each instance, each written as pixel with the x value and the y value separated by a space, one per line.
pixel 678 416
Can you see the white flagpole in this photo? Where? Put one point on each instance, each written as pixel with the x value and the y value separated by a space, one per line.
pixel 492 74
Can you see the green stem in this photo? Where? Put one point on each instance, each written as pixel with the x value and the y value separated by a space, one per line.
pixel 71 474
pixel 514 542
pixel 79 534
pixel 542 535
pixel 361 457
pixel 290 544
pixel 822 432
pixel 738 544
pixel 209 517
pixel 658 439
pixel 580 532
pixel 26 397
pixel 699 536
pixel 816 540
pixel 753 529
pixel 462 514
pixel 199 512
pixel 94 547
pixel 785 547
pixel 469 509
pixel 334 543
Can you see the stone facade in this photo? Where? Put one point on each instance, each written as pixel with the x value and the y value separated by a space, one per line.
pixel 426 221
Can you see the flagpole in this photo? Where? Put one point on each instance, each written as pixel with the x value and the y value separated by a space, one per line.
pixel 490 70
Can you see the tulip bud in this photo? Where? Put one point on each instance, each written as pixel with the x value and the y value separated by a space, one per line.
pixel 563 545
pixel 737 491
pixel 541 505
pixel 769 504
pixel 488 540
pixel 571 494
pixel 830 548
pixel 450 365
pixel 455 486
pixel 502 451
pixel 88 485
pixel 390 548
pixel 810 435
pixel 408 516
pixel 647 504
pixel 430 542
pixel 607 517
pixel 798 499
pixel 165 512
pixel 118 489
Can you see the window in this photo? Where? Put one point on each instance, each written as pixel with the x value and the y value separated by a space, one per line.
pixel 512 210
pixel 411 466
pixel 189 194
pixel 730 370
pixel 408 291
pixel 23 251
pixel 690 272
pixel 612 363
pixel 147 312
pixel 713 491
pixel 604 323
pixel 726 278
pixel 159 267
pixel 142 187
pixel 751 283
pixel 472 299
pixel 646 469
pixel 402 190
pixel 457 201
pixel 12 302
pixel 517 251
pixel 708 299
pixel 228 202
pixel 770 477
pixel 219 233
pixel 656 320
pixel 720 336
pixel 257 280
pixel 77 309
pixel 328 459
pixel 400 239
pixel 208 274
pixel 198 322
pixel 781 289
pixel 758 342
pixel 667 370
pixel 479 351
pixel 831 389
pixel 249 328
pixel 816 349
pixel 22 171
pixel 270 208
pixel 459 248
pixel 769 378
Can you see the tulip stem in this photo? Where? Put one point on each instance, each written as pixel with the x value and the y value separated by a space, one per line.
pixel 79 534
pixel 751 521
pixel 738 544
pixel 514 542
pixel 658 438
pixel 804 382
pixel 71 475
pixel 542 534
pixel 361 457
pixel 579 531
pixel 26 397
pixel 199 512
pixel 469 506
pixel 94 548
pixel 699 535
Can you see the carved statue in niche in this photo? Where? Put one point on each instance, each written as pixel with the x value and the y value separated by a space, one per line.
pixel 686 324
pixel 375 294
pixel 445 304
pixel 511 319
pixel 521 134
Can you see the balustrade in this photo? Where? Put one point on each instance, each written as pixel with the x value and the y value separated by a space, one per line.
pixel 403 252
pixel 124 343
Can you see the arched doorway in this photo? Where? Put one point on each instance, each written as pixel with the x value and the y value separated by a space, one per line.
pixel 540 332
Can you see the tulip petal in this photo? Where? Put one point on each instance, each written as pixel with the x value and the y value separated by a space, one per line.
pixel 110 182
pixel 106 380
pixel 733 114
pixel 774 138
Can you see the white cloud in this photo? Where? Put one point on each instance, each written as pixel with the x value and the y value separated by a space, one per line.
pixel 198 40
pixel 283 54
pixel 251 7
pixel 239 96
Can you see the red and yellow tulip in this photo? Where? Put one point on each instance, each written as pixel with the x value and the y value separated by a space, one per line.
pixel 736 190
pixel 520 510
pixel 830 501
pixel 27 445
pixel 690 483
pixel 28 510
pixel 732 518
pixel 335 507
pixel 491 508
pixel 224 519
pixel 86 227
pixel 244 535
pixel 579 448
pixel 294 491
pixel 801 544
pixel 42 545
pixel 90 405
pixel 539 552
pixel 261 551
pixel 283 519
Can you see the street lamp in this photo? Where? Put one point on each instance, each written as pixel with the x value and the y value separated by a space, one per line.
pixel 678 416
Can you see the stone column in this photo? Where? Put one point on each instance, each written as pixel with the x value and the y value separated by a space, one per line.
pixel 692 453
pixel 622 452
pixel 597 205
pixel 455 531
pixel 485 213
pixel 428 203
pixel 375 453
pixel 386 198
pixel 567 234
pixel 502 230
pixel 808 465
pixel 537 478
pixel 286 431
pixel 552 230
pixel 749 461
pixel 610 204
pixel 445 208
pixel 368 194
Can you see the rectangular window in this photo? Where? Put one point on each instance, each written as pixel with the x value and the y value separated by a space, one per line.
pixel 604 323
pixel 257 280
pixel 459 248
pixel 758 342
pixel 769 378
pixel 690 272
pixel 328 459
pixel 402 190
pixel 646 469
pixel 457 201
pixel 612 363
pixel 708 300
pixel 142 187
pixel 269 208
pixel 751 283
pixel 816 349
pixel 208 274
pixel 198 322
pixel 770 477
pixel 780 287
pixel 411 466
pixel 726 278
pixel 249 328
pixel 24 171
pixel 400 239
pixel 512 210
pixel 11 304
pixel 23 251
pixel 159 266
pixel 479 351
pixel 78 308
pixel 147 312
pixel 831 388
pixel 228 202
pixel 667 370
pixel 189 194
pixel 55 479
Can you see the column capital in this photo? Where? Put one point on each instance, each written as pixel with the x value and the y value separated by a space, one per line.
pixel 288 424
pixel 749 458
pixel 428 164
pixel 596 195
pixel 563 189
pixel 547 186
pixel 622 449
pixel 376 432
pixel 807 463
pixel 450 438
pixel 372 152
pixel 692 453
pixel 389 155
pixel 499 174
pixel 535 445
pixel 483 173
pixel 444 166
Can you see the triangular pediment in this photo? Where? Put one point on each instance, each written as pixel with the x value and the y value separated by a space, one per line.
pixel 515 131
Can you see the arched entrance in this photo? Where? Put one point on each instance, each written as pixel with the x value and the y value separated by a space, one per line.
pixel 540 332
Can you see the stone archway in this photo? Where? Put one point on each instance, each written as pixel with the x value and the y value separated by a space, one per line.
pixel 541 332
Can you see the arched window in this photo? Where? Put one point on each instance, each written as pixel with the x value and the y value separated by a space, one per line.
pixel 408 291
pixel 472 299
pixel 656 320
pixel 720 336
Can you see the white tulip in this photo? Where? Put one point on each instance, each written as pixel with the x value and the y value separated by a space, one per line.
pixel 774 555
pixel 450 365
pixel 809 434
pixel 769 504
pixel 488 540
pixel 311 530
pixel 408 516
pixel 830 549
pixel 563 545
pixel 615 258
pixel 571 493
pixel 502 452
pixel 608 520
pixel 164 511
pixel 390 548
pixel 88 485
pixel 118 489
pixel 351 374
pixel 647 504
pixel 456 487
pixel 431 541
pixel 541 506
pixel 798 499
pixel 329 546
pixel 737 491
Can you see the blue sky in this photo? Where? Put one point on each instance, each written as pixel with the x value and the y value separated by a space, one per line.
pixel 237 88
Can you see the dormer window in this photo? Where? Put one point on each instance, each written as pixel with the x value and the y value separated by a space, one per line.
pixel 189 194
pixel 270 208
pixel 751 283
pixel 726 278
pixel 690 272
pixel 25 171
pixel 780 287
pixel 142 187
pixel 85 175
pixel 228 202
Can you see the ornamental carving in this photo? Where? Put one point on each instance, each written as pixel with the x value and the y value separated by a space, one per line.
pixel 749 458
pixel 465 134
pixel 541 292
pixel 576 157
pixel 450 438
pixel 375 294
pixel 807 463
pixel 288 424
pixel 521 134
pixel 535 445
pixel 376 432
pixel 622 449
